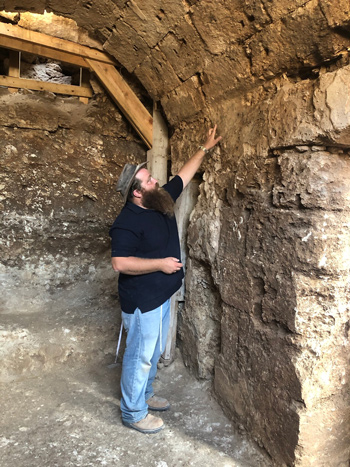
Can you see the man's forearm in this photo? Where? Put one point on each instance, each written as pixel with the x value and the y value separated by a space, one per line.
pixel 188 171
pixel 134 266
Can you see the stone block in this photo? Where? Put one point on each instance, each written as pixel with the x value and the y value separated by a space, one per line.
pixel 204 229
pixel 332 105
pixel 184 102
pixel 313 180
pixel 252 262
pixel 290 116
pixel 157 74
pixel 278 10
pixel 322 326
pixel 337 13
pixel 95 15
pixel 303 36
pixel 257 383
pixel 311 112
pixel 184 50
pixel 127 47
pixel 221 23
pixel 235 67
pixel 151 20
pixel 322 320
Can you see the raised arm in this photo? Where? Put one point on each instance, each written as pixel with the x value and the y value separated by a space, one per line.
pixel 188 171
pixel 134 266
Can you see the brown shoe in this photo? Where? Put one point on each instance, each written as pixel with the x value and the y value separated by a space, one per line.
pixel 158 403
pixel 149 424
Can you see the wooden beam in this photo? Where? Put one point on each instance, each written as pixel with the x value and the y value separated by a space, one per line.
pixel 84 81
pixel 18 44
pixel 54 43
pixel 157 157
pixel 14 66
pixel 125 99
pixel 45 86
pixel 16 38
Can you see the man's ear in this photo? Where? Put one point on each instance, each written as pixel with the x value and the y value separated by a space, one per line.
pixel 137 194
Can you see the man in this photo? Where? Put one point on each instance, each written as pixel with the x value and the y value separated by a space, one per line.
pixel 146 253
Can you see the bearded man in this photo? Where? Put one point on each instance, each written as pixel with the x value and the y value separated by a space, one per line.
pixel 146 253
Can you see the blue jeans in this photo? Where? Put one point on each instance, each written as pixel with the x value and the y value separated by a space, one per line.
pixel 145 342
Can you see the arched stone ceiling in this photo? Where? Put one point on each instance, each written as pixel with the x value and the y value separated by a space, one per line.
pixel 188 53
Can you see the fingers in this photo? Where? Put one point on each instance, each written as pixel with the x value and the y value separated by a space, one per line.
pixel 171 265
pixel 178 265
pixel 212 131
pixel 212 141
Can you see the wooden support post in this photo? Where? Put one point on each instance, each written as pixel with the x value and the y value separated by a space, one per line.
pixel 157 157
pixel 84 82
pixel 14 67
pixel 184 207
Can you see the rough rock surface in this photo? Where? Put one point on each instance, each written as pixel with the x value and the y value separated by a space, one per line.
pixel 268 299
pixel 60 160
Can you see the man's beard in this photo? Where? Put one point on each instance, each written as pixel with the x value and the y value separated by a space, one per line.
pixel 159 200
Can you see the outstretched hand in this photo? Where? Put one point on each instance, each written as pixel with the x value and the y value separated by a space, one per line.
pixel 211 140
pixel 187 172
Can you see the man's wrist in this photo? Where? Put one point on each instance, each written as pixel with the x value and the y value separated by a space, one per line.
pixel 204 149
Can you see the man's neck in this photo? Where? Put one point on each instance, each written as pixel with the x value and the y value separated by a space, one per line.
pixel 138 202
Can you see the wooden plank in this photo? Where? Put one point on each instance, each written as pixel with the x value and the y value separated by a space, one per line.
pixel 157 157
pixel 55 43
pixel 13 37
pixel 18 44
pixel 126 99
pixel 45 86
pixel 14 66
pixel 85 83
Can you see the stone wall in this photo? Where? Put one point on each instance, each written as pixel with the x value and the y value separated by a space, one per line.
pixel 267 312
pixel 270 230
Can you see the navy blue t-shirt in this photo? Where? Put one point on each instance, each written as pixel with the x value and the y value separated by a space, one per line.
pixel 146 233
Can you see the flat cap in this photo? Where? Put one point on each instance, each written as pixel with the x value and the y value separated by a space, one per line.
pixel 127 177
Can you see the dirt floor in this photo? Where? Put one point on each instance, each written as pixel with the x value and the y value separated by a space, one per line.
pixel 60 396
pixel 71 417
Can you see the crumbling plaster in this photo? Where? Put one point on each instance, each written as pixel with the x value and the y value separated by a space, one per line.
pixel 268 239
